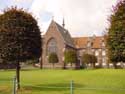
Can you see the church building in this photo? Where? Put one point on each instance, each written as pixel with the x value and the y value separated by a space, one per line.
pixel 57 39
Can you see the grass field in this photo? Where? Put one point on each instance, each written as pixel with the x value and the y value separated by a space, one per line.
pixel 99 81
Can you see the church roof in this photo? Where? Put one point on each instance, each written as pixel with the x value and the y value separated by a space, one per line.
pixel 81 42
pixel 78 42
pixel 66 36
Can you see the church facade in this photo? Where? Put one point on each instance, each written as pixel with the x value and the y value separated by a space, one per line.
pixel 57 39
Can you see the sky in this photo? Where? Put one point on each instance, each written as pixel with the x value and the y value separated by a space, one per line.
pixel 82 17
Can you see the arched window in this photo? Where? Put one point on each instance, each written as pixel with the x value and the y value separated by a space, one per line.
pixel 51 46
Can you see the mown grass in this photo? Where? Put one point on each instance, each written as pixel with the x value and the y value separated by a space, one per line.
pixel 99 81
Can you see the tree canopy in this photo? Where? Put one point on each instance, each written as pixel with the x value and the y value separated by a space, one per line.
pixel 70 56
pixel 86 58
pixel 53 58
pixel 19 35
pixel 89 59
pixel 116 33
pixel 20 38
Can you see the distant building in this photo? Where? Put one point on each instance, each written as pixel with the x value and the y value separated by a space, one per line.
pixel 57 39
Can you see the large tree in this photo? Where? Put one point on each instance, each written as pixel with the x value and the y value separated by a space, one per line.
pixel 20 38
pixel 53 58
pixel 70 56
pixel 116 34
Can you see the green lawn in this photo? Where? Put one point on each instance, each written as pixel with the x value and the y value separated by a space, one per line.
pixel 100 81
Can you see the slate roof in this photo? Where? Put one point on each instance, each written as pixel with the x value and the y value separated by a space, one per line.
pixel 66 36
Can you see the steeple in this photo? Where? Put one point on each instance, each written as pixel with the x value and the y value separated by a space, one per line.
pixel 63 24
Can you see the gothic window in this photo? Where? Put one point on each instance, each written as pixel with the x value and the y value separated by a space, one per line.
pixel 51 46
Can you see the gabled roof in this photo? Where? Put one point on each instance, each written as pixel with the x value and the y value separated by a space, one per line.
pixel 81 42
pixel 77 42
pixel 65 34
pixel 97 43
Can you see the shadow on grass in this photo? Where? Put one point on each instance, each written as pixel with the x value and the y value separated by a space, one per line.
pixel 51 87
pixel 5 80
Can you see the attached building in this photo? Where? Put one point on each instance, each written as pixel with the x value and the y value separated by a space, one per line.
pixel 57 39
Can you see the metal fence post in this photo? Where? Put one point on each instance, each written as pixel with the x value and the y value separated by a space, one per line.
pixel 71 87
pixel 14 85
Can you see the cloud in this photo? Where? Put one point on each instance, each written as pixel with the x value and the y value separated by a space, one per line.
pixel 82 17
pixel 20 0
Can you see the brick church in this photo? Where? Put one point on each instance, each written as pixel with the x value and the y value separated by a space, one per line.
pixel 57 39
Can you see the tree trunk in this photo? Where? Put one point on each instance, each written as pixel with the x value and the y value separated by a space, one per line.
pixel 71 65
pixel 18 75
pixel 107 64
pixel 100 64
pixel 93 65
pixel 41 64
pixel 53 65
pixel 64 66
pixel 114 64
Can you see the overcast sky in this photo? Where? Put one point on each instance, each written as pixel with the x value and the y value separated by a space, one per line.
pixel 82 17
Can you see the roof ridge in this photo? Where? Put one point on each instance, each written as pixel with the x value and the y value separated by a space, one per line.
pixel 66 35
pixel 88 37
pixel 60 26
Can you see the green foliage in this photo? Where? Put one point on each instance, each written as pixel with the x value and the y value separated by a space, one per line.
pixel 89 58
pixel 116 34
pixel 86 58
pixel 93 59
pixel 20 37
pixel 53 58
pixel 70 56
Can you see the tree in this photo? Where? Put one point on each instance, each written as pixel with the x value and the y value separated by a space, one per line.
pixel 89 59
pixel 20 38
pixel 70 56
pixel 53 58
pixel 85 58
pixel 93 60
pixel 116 34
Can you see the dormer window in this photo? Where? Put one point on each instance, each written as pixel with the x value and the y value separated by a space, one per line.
pixel 89 44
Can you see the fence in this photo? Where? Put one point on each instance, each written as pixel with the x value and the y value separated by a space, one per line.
pixel 70 87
